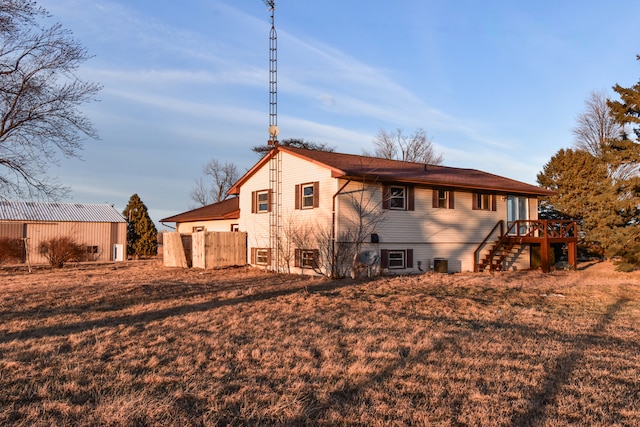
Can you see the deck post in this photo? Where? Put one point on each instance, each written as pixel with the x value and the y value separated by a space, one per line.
pixel 545 248
pixel 572 255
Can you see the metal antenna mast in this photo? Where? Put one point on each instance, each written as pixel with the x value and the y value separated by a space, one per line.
pixel 275 163
pixel 273 76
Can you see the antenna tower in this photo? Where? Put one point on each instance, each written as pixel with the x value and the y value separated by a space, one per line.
pixel 273 76
pixel 275 164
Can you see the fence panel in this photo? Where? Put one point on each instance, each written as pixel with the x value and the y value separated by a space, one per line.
pixel 205 249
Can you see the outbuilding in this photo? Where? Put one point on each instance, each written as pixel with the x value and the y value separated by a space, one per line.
pixel 98 227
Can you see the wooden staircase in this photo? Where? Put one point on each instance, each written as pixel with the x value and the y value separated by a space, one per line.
pixel 498 253
pixel 501 244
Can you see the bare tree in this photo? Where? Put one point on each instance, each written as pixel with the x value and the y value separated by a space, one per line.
pixel 39 99
pixel 596 127
pixel 395 145
pixel 223 176
pixel 597 132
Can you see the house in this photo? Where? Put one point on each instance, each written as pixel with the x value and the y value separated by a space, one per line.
pixel 98 227
pixel 318 212
pixel 222 216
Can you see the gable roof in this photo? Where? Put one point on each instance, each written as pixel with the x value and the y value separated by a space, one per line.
pixel 62 212
pixel 383 170
pixel 226 209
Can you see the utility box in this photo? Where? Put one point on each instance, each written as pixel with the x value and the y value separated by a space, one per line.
pixel 118 252
pixel 440 265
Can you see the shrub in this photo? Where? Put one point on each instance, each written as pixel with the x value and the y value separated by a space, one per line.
pixel 61 250
pixel 625 267
pixel 10 250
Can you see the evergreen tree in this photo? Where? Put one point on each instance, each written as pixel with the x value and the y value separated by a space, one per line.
pixel 627 110
pixel 599 183
pixel 142 235
pixel 581 185
pixel 296 143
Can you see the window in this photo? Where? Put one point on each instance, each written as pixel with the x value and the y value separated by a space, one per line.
pixel 442 199
pixel 261 201
pixel 307 258
pixel 261 256
pixel 396 197
pixel 396 259
pixel 307 196
pixel 197 228
pixel 92 253
pixel 484 201
pixel 235 227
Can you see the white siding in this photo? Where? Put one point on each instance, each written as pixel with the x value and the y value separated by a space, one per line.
pixel 294 171
pixel 214 225
pixel 452 234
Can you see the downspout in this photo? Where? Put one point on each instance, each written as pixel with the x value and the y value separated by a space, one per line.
pixel 333 228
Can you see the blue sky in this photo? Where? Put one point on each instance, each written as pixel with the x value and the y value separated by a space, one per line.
pixel 496 84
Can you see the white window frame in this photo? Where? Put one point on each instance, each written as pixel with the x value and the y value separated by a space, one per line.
pixel 401 197
pixel 262 256
pixel 262 206
pixel 306 196
pixel 397 260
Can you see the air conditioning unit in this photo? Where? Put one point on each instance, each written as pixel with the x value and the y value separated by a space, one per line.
pixel 440 265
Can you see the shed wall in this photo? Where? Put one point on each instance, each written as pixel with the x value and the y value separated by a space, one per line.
pixel 94 234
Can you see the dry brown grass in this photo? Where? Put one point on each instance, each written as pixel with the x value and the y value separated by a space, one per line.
pixel 140 344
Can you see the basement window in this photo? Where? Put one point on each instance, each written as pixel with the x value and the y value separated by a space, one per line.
pixel 262 256
pixel 396 259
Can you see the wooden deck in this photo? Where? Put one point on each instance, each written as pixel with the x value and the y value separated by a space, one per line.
pixel 542 232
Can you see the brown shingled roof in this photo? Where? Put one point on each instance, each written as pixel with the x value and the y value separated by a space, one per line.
pixel 226 209
pixel 384 170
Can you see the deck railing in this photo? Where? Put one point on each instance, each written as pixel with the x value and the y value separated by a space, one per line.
pixel 544 231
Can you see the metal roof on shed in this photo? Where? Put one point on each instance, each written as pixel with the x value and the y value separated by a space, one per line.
pixel 53 211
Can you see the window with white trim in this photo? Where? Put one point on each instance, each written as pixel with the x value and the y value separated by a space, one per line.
pixel 262 256
pixel 262 201
pixel 307 196
pixel 396 259
pixel 306 258
pixel 397 197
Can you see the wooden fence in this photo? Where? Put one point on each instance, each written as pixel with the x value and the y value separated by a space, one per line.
pixel 205 249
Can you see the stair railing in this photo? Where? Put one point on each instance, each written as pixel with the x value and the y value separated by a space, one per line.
pixel 476 253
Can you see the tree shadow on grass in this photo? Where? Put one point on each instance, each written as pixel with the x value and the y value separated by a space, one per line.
pixel 155 315
pixel 562 370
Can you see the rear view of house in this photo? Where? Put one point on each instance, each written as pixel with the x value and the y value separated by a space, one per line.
pixel 318 212
pixel 97 227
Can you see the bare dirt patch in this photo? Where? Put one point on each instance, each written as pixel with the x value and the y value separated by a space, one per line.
pixel 140 344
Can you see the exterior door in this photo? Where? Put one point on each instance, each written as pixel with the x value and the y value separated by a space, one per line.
pixel 517 209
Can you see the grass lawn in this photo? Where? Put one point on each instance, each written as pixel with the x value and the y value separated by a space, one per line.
pixel 137 344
